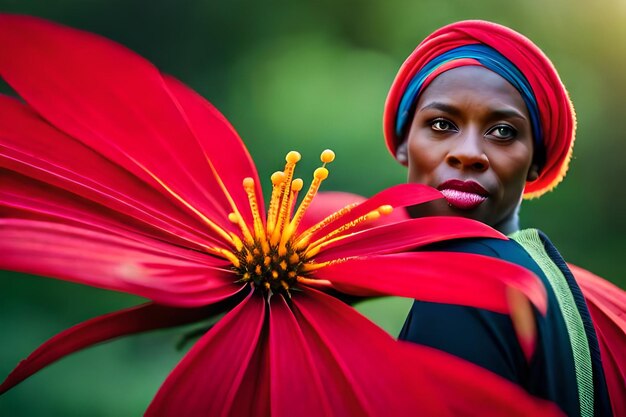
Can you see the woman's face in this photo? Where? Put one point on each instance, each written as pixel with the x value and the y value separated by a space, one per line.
pixel 471 138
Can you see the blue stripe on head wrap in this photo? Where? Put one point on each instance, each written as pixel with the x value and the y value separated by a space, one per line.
pixel 489 58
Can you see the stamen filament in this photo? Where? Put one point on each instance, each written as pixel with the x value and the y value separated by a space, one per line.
pixel 319 175
pixel 304 237
pixel 372 215
pixel 292 158
pixel 239 221
pixel 278 179
pixel 230 256
pixel 323 283
pixel 259 229
pixel 310 266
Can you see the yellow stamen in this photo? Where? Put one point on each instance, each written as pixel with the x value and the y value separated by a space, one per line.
pixel 314 282
pixel 238 243
pixel 304 237
pixel 292 158
pixel 311 266
pixel 319 175
pixel 230 256
pixel 248 185
pixel 386 209
pixel 372 215
pixel 278 179
pixel 296 186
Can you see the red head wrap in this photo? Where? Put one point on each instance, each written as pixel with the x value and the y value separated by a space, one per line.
pixel 556 112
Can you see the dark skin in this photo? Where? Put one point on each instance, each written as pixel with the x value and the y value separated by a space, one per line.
pixel 471 125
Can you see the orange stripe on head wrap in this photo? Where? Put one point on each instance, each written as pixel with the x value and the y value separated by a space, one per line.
pixel 558 120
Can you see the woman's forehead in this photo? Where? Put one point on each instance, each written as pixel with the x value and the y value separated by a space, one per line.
pixel 471 85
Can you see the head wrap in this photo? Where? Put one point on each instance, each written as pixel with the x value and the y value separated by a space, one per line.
pixel 510 55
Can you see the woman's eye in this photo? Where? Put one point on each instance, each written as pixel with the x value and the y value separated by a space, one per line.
pixel 441 125
pixel 503 132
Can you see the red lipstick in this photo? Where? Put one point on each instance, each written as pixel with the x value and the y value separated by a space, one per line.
pixel 464 195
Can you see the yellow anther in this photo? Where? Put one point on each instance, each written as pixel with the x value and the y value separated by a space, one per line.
pixel 283 265
pixel 275 274
pixel 297 184
pixel 277 177
pixel 373 215
pixel 294 259
pixel 249 258
pixel 248 182
pixel 320 173
pixel 291 274
pixel 386 209
pixel 233 218
pixel 293 157
pixel 246 276
pixel 267 260
pixel 327 156
pixel 257 270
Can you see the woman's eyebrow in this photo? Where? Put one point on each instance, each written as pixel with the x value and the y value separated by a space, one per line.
pixel 504 113
pixel 508 114
pixel 444 107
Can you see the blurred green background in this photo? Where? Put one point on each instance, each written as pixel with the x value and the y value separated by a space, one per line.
pixel 301 75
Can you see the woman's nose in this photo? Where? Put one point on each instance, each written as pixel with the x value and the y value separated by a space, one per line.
pixel 468 153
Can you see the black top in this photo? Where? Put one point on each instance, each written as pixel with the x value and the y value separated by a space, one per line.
pixel 489 340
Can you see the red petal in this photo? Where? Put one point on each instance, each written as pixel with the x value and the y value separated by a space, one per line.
pixel 109 326
pixel 607 306
pixel 401 195
pixel 221 142
pixel 368 373
pixel 121 106
pixel 30 146
pixel 290 360
pixel 474 391
pixel 405 235
pixel 207 380
pixel 357 361
pixel 442 277
pixel 23 197
pixel 161 272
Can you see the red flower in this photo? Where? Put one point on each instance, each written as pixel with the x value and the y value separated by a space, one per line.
pixel 117 176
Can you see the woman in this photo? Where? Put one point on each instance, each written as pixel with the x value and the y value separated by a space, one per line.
pixel 479 112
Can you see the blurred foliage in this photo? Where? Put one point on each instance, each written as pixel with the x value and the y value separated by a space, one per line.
pixel 304 75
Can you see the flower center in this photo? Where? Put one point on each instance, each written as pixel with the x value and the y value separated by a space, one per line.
pixel 272 254
pixel 271 270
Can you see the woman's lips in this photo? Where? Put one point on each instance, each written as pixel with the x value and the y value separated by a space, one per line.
pixel 464 195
